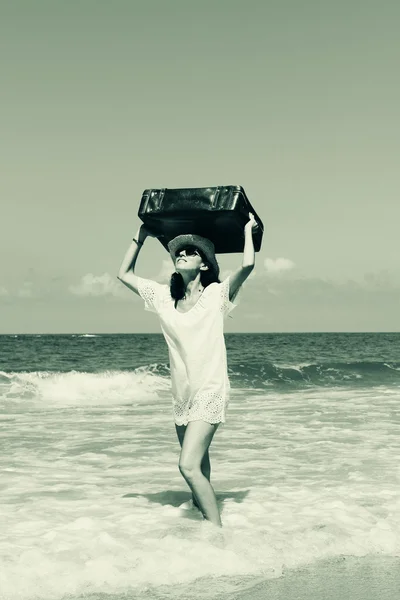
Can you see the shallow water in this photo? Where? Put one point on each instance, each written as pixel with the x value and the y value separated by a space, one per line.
pixel 304 472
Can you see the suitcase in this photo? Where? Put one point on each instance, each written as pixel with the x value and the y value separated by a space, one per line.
pixel 217 213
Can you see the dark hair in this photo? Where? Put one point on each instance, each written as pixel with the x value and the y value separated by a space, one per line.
pixel 177 285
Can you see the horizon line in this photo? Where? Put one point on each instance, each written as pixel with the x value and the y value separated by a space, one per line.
pixel 160 333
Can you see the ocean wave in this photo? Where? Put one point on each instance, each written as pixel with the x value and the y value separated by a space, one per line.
pixel 75 388
pixel 269 374
pixel 82 388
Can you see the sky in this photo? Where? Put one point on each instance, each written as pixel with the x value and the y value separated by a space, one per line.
pixel 295 101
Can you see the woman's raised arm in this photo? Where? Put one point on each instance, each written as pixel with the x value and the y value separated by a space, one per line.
pixel 241 274
pixel 126 272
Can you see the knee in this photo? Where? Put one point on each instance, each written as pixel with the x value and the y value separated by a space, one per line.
pixel 188 469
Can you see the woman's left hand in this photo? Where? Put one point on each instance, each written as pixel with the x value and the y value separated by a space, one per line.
pixel 251 224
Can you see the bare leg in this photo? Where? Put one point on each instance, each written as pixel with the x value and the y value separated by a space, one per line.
pixel 196 441
pixel 205 463
pixel 206 466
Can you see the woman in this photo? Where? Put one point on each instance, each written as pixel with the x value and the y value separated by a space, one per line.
pixel 191 312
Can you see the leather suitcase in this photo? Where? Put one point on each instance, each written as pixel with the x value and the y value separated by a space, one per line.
pixel 217 213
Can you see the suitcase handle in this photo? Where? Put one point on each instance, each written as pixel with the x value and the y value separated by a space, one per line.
pixel 161 198
pixel 214 202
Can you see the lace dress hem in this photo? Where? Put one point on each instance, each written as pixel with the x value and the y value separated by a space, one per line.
pixel 205 406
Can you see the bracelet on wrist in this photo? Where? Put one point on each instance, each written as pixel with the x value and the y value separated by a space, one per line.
pixel 138 243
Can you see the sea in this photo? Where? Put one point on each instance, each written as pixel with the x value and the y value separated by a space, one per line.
pixel 306 471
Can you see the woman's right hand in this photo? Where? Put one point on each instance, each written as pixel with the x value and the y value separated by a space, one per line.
pixel 251 224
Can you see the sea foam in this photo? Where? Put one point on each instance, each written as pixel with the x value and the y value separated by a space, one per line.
pixel 46 389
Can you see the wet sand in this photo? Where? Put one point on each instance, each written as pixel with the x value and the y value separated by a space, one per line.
pixel 343 578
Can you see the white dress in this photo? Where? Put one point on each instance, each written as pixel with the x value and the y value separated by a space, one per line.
pixel 197 352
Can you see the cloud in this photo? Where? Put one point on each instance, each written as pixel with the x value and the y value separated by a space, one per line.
pixel 97 285
pixel 3 291
pixel 26 290
pixel 278 265
pixel 382 279
pixel 227 272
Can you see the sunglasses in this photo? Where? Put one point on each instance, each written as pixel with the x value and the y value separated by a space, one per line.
pixel 189 251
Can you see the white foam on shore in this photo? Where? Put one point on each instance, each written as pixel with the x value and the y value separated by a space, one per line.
pixel 47 389
pixel 135 543
pixel 90 497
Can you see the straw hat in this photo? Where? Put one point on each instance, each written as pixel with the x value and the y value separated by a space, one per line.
pixel 205 246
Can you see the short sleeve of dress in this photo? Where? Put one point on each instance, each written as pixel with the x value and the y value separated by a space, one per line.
pixel 226 305
pixel 152 294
